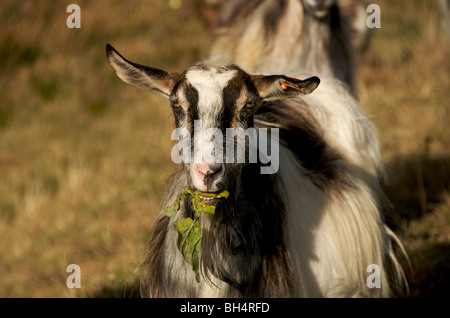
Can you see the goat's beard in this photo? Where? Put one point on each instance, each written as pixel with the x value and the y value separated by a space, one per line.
pixel 224 237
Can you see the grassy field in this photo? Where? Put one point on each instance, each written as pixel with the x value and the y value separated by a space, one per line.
pixel 84 158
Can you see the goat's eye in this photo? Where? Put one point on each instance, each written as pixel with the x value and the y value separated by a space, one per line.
pixel 249 104
pixel 176 104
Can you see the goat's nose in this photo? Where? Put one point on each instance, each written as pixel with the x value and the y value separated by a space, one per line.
pixel 214 172
pixel 207 173
pixel 204 170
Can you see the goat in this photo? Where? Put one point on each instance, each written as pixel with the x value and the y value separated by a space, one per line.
pixel 311 229
pixel 355 12
pixel 273 35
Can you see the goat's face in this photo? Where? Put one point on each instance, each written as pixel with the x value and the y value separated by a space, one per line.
pixel 206 100
pixel 319 8
pixel 211 96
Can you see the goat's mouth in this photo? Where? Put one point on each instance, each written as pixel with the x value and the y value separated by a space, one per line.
pixel 209 200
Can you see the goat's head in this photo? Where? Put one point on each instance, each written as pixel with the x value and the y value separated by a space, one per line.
pixel 319 8
pixel 217 95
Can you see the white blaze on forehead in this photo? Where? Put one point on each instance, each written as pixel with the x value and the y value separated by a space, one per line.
pixel 210 84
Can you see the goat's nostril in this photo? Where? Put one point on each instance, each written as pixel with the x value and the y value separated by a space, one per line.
pixel 214 170
pixel 214 173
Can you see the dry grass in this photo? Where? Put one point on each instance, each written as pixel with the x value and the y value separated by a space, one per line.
pixel 84 158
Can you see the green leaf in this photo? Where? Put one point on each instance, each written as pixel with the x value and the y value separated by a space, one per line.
pixel 189 242
pixel 206 208
pixel 173 209
pixel 196 200
pixel 223 194
pixel 189 239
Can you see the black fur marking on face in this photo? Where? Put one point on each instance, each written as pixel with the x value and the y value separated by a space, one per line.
pixel 192 111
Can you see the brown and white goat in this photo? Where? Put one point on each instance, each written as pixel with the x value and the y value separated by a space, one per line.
pixel 311 229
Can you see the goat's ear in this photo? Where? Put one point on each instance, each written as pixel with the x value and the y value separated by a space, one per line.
pixel 272 87
pixel 141 76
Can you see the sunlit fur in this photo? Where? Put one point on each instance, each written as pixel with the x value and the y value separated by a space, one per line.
pixel 275 34
pixel 282 36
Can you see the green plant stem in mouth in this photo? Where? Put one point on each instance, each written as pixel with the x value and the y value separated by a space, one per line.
pixel 189 230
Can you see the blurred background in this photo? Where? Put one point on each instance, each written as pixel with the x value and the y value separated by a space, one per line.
pixel 84 157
